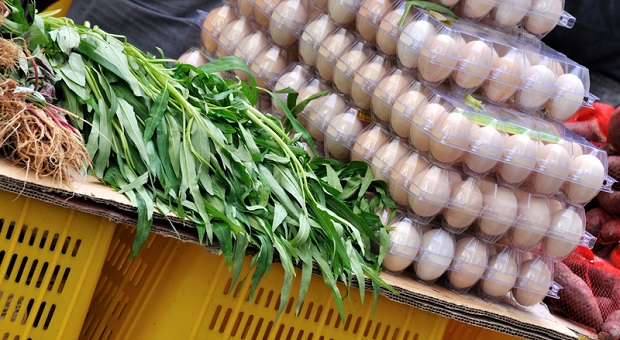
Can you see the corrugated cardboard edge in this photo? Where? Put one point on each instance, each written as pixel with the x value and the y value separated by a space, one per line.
pixel 91 196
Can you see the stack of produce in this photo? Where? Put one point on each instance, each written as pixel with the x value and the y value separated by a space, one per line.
pixel 462 120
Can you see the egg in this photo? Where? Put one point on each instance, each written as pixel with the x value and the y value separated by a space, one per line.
pixel 471 257
pixel 193 57
pixel 312 35
pixel 341 130
pixel 251 45
pixel 429 191
pixel 537 87
pixel 501 274
pixel 213 23
pixel 533 283
pixel 573 148
pixel 552 169
pixel 320 112
pixel 402 248
pixel 321 4
pixel 286 20
pixel 386 157
pixel 449 137
pixel 408 104
pixel 368 142
pixel 566 230
pixel 508 13
pixel 505 77
pixel 447 3
pixel 406 168
pixel 387 91
pixel 435 255
pixel 263 10
pixel 368 16
pixel 543 16
pixel 464 206
pixel 231 34
pixel 476 9
pixel 438 57
pixel 314 86
pixel 421 123
pixel 499 211
pixel 295 78
pixel 586 174
pixel 365 80
pixel 568 97
pixel 347 64
pixel 533 221
pixel 474 65
pixel 330 49
pixel 519 158
pixel 486 149
pixel 388 31
pixel 245 8
pixel 410 40
pixel 268 65
pixel 343 12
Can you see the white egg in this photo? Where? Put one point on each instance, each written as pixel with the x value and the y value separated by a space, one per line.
pixel 268 65
pixel 340 132
pixel 573 148
pixel 411 38
pixel 505 77
pixel 533 283
pixel 519 158
pixel 486 149
pixel 475 9
pixel 508 13
pixel 388 31
pixel 366 79
pixel 438 58
pixel 231 34
pixel 465 204
pixel 405 169
pixel 566 230
pixel 501 274
pixel 533 221
pixel 552 169
pixel 330 49
pixel 321 111
pixel 543 16
pixel 311 37
pixel 342 11
pixel 471 257
pixel 537 87
pixel 407 105
pixel 214 22
pixel 386 157
pixel 263 10
pixel 286 21
pixel 368 17
pixel 449 137
pixel 386 92
pixel 587 174
pixel 193 57
pixel 499 211
pixel 252 44
pixel 474 65
pixel 347 64
pixel 314 86
pixel 435 255
pixel 294 79
pixel 421 123
pixel 429 191
pixel 568 97
pixel 368 142
pixel 402 248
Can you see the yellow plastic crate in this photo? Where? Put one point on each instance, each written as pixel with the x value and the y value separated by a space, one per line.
pixel 50 260
pixel 176 290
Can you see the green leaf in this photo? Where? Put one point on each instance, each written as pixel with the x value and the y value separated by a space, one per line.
pixel 262 263
pixel 156 114
pixel 139 182
pixel 128 121
pixel 279 214
pixel 67 38
pixel 302 233
pixel 241 244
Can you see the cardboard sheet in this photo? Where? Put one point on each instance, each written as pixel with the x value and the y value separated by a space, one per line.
pixel 89 195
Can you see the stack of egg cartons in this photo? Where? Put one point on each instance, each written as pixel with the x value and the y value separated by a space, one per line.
pixel 461 119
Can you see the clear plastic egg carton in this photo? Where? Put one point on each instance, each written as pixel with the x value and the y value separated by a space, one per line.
pixel 294 77
pixel 525 74
pixel 522 151
pixel 533 17
pixel 465 264
pixel 213 22
pixel 311 37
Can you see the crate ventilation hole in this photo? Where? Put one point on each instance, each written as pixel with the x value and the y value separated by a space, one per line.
pixel 351 326
pixel 26 271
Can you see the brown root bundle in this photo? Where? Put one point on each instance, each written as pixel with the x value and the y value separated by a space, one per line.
pixel 39 137
pixel 9 56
